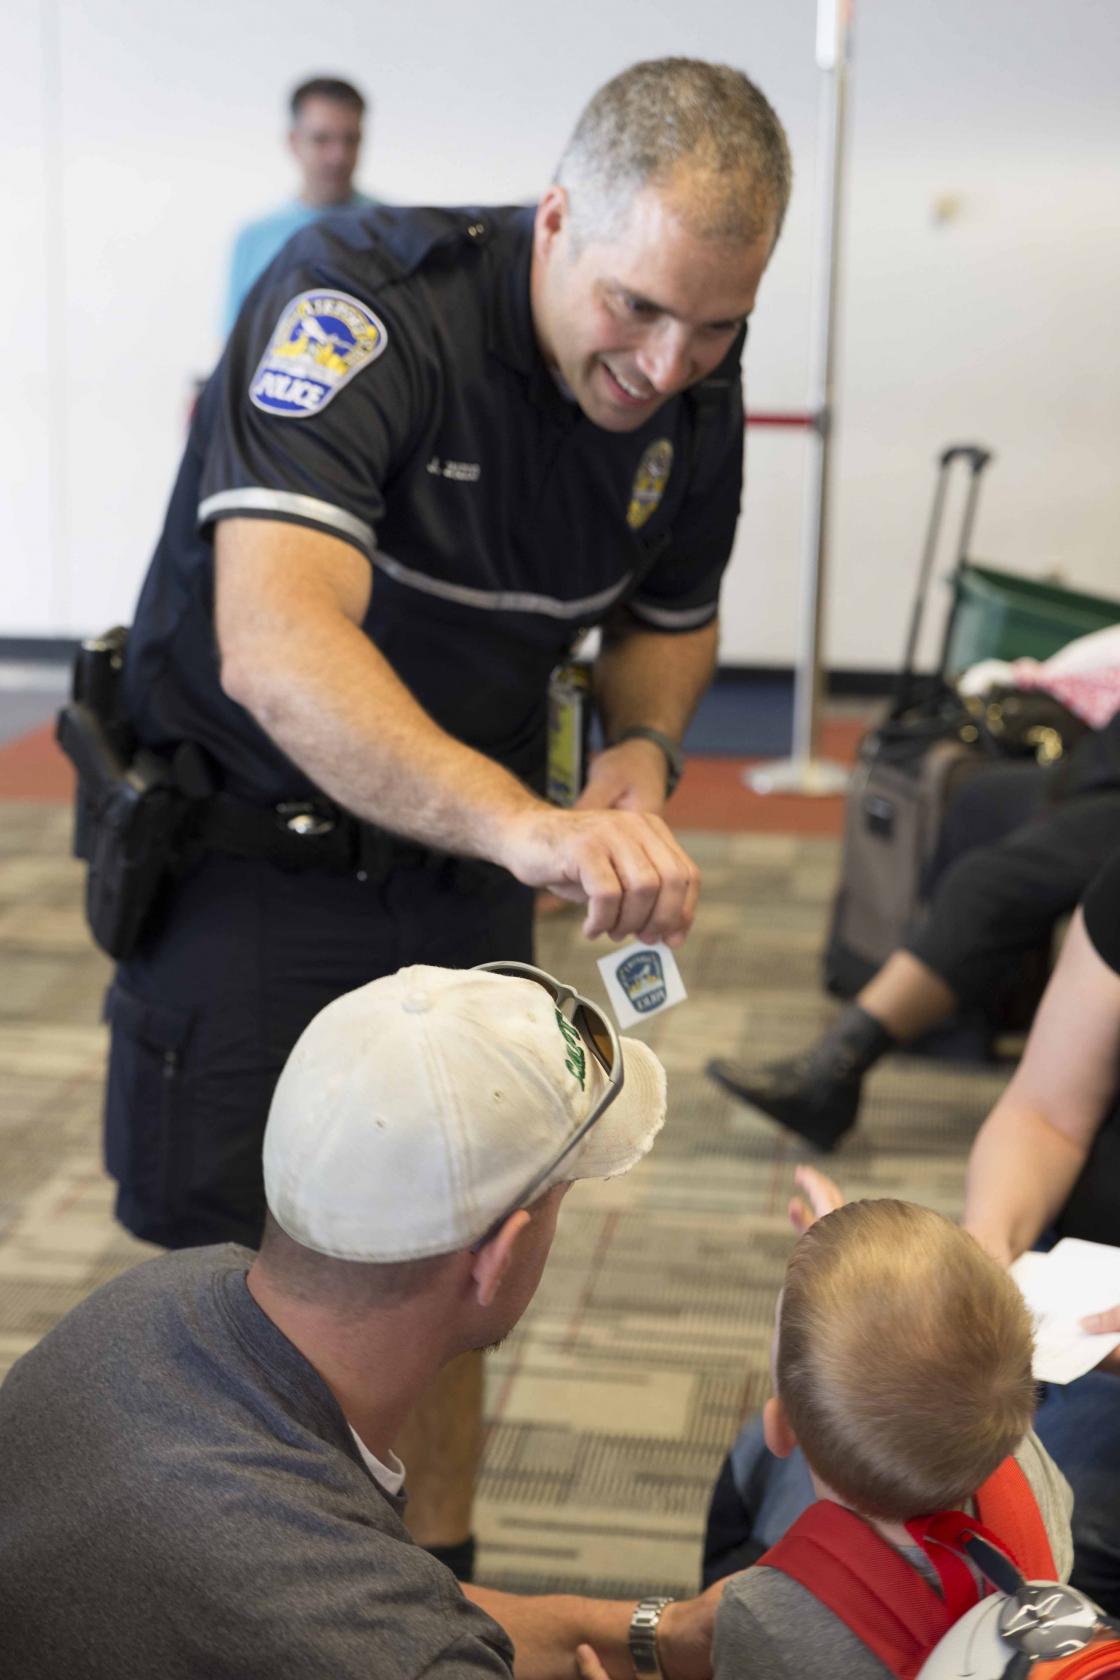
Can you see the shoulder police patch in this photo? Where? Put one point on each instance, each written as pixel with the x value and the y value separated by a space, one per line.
pixel 649 483
pixel 321 341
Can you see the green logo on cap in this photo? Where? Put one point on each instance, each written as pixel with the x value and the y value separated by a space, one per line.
pixel 574 1060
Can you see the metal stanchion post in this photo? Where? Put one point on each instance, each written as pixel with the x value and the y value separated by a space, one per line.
pixel 804 771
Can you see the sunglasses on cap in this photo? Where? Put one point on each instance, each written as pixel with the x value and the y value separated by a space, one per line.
pixel 598 1035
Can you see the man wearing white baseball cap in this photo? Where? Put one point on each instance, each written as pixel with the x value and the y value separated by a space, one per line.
pixel 198 1461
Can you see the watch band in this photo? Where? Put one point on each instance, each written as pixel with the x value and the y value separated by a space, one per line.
pixel 674 757
pixel 642 1638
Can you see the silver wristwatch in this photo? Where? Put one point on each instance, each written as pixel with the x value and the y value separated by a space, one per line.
pixel 643 1634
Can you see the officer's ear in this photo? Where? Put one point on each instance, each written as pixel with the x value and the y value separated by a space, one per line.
pixel 551 219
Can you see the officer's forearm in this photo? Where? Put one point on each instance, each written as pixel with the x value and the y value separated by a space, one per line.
pixel 294 656
pixel 289 604
pixel 643 677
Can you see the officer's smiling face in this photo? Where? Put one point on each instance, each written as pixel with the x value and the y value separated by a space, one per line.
pixel 631 319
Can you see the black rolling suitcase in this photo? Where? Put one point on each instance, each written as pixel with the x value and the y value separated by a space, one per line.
pixel 908 769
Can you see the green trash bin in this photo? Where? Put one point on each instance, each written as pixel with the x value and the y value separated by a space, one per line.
pixel 1000 615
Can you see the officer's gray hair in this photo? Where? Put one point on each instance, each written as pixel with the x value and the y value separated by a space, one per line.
pixel 679 120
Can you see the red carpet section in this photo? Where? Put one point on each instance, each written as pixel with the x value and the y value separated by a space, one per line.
pixel 711 796
pixel 31 767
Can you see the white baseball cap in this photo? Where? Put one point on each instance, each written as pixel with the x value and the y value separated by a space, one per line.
pixel 414 1111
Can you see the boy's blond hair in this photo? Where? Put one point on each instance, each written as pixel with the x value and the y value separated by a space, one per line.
pixel 904 1358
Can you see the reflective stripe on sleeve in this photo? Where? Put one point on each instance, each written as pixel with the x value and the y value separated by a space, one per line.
pixel 682 618
pixel 288 505
pixel 500 600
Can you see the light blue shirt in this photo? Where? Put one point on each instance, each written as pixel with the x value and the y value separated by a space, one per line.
pixel 259 241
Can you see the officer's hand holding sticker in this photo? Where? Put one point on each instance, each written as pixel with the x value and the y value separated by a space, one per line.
pixel 626 865
pixel 631 776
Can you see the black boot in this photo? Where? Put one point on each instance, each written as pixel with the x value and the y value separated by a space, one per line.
pixel 817 1093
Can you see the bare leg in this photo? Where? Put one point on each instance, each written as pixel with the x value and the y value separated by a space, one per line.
pixel 906 997
pixel 441 1446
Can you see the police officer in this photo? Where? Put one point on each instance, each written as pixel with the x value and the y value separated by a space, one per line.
pixel 438 447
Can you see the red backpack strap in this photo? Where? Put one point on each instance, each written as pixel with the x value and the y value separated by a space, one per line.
pixel 866 1584
pixel 1007 1506
pixel 940 1537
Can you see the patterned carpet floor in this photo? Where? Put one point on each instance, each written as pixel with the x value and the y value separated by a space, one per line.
pixel 611 1406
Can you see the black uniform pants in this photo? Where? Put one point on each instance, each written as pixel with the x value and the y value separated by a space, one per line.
pixel 202 1018
pixel 1008 866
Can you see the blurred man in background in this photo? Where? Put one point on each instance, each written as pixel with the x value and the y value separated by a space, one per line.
pixel 326 141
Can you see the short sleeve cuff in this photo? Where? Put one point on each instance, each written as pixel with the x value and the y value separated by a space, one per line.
pixel 255 502
pixel 674 619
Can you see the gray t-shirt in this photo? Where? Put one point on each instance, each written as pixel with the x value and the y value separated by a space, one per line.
pixel 769 1627
pixel 181 1497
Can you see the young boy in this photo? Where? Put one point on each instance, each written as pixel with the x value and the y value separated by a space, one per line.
pixel 902 1367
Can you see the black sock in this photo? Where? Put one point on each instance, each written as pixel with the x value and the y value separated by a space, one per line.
pixel 854 1042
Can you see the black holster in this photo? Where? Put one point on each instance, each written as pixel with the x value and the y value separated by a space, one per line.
pixel 129 811
pixel 141 818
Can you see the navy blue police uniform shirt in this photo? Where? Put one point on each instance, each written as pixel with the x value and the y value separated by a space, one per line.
pixel 383 384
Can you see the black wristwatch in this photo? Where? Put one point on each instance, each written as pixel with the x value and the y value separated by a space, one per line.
pixel 643 1634
pixel 674 757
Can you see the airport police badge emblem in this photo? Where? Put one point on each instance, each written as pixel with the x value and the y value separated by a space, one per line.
pixel 321 341
pixel 649 482
pixel 642 978
pixel 640 981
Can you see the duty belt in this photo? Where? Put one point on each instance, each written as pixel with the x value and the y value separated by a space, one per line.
pixel 315 834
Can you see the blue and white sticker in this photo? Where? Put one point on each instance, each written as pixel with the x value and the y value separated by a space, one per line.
pixel 641 980
pixel 321 341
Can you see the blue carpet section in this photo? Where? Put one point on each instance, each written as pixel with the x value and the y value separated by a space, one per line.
pixel 744 715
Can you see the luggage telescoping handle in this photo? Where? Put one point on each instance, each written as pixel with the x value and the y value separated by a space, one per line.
pixel 973 452
pixel 977 458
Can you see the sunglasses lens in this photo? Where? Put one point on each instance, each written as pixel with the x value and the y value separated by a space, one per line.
pixel 593 1030
pixel 588 1022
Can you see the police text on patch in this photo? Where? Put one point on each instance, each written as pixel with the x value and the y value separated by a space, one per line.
pixel 321 341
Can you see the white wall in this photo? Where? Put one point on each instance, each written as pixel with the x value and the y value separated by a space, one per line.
pixel 134 138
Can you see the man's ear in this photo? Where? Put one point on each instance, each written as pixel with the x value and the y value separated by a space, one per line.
pixel 777 1431
pixel 551 218
pixel 492 1262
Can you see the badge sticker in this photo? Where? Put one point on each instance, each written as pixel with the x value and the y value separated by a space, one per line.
pixel 649 483
pixel 321 341
pixel 641 980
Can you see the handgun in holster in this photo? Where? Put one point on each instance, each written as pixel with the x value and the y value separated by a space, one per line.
pixel 129 810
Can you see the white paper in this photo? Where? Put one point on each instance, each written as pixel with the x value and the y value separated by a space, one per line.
pixel 1074 1279
pixel 641 981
